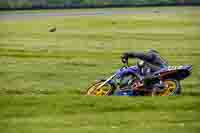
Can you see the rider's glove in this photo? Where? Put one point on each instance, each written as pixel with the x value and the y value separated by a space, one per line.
pixel 124 57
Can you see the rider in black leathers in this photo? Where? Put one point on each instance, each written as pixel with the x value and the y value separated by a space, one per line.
pixel 151 62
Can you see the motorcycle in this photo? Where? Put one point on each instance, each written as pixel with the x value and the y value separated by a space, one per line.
pixel 128 81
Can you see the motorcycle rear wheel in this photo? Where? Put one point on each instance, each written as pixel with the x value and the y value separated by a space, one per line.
pixel 172 87
pixel 94 90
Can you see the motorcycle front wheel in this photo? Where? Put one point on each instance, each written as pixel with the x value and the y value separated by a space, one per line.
pixel 94 90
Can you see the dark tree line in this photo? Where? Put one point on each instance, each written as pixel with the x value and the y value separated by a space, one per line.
pixel 31 4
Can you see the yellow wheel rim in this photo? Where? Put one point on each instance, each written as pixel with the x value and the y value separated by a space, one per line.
pixel 104 90
pixel 170 88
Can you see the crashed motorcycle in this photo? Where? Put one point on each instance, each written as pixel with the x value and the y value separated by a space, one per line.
pixel 128 81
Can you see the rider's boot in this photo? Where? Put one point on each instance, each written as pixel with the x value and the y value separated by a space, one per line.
pixel 159 87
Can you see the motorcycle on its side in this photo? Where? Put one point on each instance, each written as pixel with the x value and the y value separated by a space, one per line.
pixel 128 81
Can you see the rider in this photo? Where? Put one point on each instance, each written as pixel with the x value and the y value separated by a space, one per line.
pixel 150 62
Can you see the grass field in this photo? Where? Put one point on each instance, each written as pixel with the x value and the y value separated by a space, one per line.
pixel 43 75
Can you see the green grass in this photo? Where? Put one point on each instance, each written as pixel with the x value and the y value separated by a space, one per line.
pixel 43 75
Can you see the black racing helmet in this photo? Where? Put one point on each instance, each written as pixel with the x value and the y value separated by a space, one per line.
pixel 140 64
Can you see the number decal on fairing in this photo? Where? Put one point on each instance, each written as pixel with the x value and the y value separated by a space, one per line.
pixel 174 67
